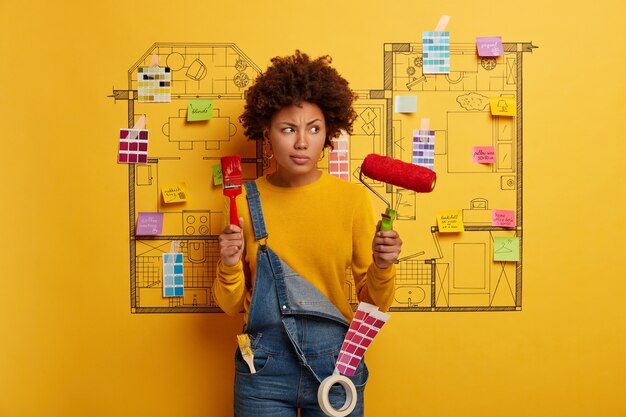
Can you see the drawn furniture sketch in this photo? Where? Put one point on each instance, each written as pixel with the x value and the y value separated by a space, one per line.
pixel 436 271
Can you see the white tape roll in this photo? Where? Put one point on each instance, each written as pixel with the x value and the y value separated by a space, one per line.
pixel 324 401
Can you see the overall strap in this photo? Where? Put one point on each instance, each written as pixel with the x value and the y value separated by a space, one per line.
pixel 256 212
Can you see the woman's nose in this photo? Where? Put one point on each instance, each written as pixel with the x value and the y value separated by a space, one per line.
pixel 301 141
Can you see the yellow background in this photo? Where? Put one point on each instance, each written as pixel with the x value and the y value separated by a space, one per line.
pixel 69 345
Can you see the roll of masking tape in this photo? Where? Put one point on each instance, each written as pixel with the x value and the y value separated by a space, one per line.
pixel 324 401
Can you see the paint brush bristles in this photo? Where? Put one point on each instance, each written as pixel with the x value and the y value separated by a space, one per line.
pixel 246 351
pixel 231 173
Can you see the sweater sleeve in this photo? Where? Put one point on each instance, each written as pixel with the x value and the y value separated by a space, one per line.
pixel 373 285
pixel 229 287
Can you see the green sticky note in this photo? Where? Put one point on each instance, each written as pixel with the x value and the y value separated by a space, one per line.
pixel 217 175
pixel 199 110
pixel 506 248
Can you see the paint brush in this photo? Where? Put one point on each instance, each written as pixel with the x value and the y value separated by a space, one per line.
pixel 246 351
pixel 231 173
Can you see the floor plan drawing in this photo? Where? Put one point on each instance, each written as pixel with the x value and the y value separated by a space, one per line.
pixel 436 271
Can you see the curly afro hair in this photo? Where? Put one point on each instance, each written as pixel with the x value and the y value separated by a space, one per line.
pixel 295 79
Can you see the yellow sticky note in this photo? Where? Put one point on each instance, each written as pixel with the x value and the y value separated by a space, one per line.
pixel 174 193
pixel 503 106
pixel 450 221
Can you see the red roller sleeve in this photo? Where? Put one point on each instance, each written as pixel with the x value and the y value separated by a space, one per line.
pixel 401 174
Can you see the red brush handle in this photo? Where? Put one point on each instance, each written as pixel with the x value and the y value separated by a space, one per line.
pixel 234 218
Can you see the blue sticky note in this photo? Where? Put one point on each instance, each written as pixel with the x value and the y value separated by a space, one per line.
pixel 405 104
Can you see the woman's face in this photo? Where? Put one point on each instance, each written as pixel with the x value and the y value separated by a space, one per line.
pixel 297 134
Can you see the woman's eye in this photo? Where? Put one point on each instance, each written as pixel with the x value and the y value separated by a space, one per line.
pixel 288 130
pixel 315 129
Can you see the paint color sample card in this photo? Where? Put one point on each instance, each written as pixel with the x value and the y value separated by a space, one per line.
pixel 173 278
pixel 436 52
pixel 338 163
pixel 424 148
pixel 405 104
pixel 506 248
pixel 133 147
pixel 489 46
pixel 149 224
pixel 154 85
pixel 503 106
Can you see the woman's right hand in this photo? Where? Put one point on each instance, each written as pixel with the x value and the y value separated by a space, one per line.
pixel 231 243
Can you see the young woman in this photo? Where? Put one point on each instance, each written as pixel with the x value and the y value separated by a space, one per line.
pixel 285 264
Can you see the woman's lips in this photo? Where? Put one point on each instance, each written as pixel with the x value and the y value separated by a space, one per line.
pixel 300 159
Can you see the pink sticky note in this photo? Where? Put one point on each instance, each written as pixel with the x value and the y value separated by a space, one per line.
pixel 149 224
pixel 489 46
pixel 483 155
pixel 503 218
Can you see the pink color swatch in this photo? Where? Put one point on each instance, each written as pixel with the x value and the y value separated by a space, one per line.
pixel 365 326
pixel 133 146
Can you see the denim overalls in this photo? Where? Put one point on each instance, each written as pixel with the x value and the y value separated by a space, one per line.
pixel 295 335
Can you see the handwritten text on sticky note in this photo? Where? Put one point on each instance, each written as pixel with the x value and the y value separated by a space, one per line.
pixel 450 221
pixel 489 46
pixel 149 224
pixel 503 218
pixel 506 248
pixel 199 110
pixel 483 154
pixel 174 193
pixel 503 106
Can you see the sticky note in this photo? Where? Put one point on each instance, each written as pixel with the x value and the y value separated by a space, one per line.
pixel 503 218
pixel 149 224
pixel 154 85
pixel 450 221
pixel 133 147
pixel 503 106
pixel 174 193
pixel 424 148
pixel 199 110
pixel 506 248
pixel 173 275
pixel 217 174
pixel 405 104
pixel 436 52
pixel 489 46
pixel 483 155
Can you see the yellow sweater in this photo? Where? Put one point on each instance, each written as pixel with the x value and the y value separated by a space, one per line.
pixel 319 230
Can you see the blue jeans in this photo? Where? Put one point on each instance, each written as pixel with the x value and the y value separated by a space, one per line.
pixel 282 383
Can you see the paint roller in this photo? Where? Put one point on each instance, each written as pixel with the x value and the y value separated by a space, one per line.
pixel 395 172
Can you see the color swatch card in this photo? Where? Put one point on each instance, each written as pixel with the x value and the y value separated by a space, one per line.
pixel 133 146
pixel 483 155
pixel 149 224
pixel 365 325
pixel 489 46
pixel 173 278
pixel 175 193
pixel 503 218
pixel 450 221
pixel 506 249
pixel 405 104
pixel 154 85
pixel 424 148
pixel 198 110
pixel 503 106
pixel 436 52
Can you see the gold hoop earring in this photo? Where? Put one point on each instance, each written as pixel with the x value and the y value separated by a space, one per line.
pixel 267 146
pixel 322 157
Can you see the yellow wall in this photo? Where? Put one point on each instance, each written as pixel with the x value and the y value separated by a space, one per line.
pixel 69 345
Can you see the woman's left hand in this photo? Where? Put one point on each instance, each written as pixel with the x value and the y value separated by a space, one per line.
pixel 386 247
